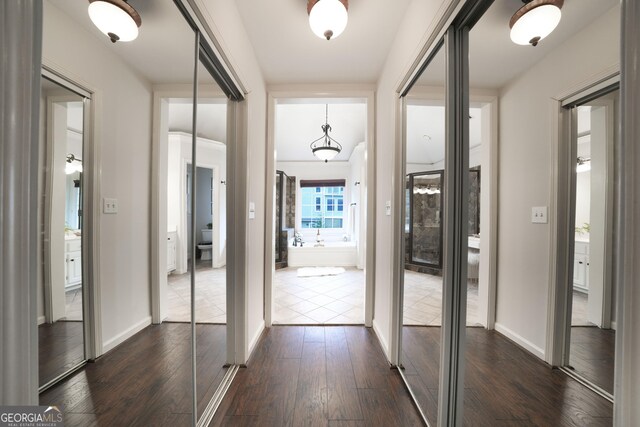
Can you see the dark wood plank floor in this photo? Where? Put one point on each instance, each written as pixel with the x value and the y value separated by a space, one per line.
pixel 592 354
pixel 146 380
pixel 504 385
pixel 60 348
pixel 317 376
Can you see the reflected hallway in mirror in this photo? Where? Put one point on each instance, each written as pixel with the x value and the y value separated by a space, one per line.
pixel 592 303
pixel 60 300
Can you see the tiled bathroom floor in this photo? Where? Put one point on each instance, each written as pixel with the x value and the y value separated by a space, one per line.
pixel 211 296
pixel 423 300
pixel 340 299
pixel 318 300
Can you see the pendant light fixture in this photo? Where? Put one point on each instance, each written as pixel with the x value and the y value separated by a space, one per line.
pixel 535 21
pixel 115 18
pixel 73 165
pixel 325 148
pixel 584 164
pixel 327 18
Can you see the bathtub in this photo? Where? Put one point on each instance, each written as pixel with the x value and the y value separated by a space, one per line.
pixel 332 254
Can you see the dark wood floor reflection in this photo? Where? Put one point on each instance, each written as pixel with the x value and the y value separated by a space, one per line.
pixel 144 381
pixel 317 376
pixel 60 348
pixel 592 354
pixel 504 384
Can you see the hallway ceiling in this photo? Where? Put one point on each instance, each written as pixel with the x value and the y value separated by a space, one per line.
pixel 490 44
pixel 163 51
pixel 288 52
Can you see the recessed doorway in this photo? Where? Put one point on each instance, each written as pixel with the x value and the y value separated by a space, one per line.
pixel 318 271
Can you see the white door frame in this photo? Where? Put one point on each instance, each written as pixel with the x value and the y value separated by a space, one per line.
pixel 325 91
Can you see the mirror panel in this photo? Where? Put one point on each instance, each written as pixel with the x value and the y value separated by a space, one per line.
pixel 505 381
pixel 211 238
pixel 423 267
pixel 592 333
pixel 60 318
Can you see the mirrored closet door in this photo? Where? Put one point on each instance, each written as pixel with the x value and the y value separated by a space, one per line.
pixel 61 327
pixel 210 237
pixel 590 343
pixel 425 141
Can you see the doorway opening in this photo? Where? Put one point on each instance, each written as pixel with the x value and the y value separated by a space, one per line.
pixel 320 213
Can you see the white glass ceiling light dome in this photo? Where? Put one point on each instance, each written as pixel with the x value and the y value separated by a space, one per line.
pixel 115 18
pixel 328 18
pixel 535 21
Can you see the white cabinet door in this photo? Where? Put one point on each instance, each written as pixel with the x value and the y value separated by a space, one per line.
pixel 74 268
pixel 171 252
pixel 580 280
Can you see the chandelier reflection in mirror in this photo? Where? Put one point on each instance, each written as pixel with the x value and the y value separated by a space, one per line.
pixel 429 189
pixel 325 148
pixel 73 165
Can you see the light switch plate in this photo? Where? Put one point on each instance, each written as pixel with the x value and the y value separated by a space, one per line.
pixel 387 208
pixel 539 215
pixel 109 206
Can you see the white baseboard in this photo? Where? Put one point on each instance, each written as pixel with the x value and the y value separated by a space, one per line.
pixel 254 340
pixel 614 325
pixel 41 320
pixel 125 335
pixel 383 342
pixel 522 342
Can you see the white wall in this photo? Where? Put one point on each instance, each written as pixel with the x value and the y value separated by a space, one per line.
pixel 122 133
pixel 525 168
pixel 224 19
pixel 412 35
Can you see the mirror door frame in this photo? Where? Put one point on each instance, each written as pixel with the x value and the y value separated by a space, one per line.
pixel 563 184
pixel 92 329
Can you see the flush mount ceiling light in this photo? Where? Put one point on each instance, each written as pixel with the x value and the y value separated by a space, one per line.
pixel 327 18
pixel 115 18
pixel 535 21
pixel 325 148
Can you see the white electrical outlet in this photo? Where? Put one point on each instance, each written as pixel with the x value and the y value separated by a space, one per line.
pixel 539 215
pixel 109 206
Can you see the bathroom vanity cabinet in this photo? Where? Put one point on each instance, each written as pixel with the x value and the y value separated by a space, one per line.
pixel 581 266
pixel 73 263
